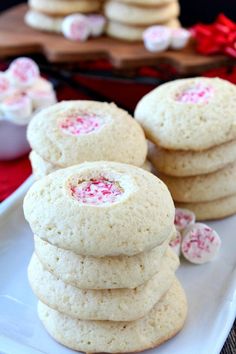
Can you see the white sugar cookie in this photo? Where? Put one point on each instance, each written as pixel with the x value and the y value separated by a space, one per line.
pixel 64 7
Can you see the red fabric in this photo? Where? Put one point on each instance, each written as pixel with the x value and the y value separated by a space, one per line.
pixel 13 173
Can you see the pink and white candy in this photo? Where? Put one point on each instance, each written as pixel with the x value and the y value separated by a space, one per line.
pixel 183 218
pixel 157 38
pixel 179 38
pixel 200 243
pixel 97 191
pixel 81 124
pixel 5 86
pixel 17 109
pixel 23 72
pixel 41 94
pixel 175 243
pixel 197 94
pixel 97 25
pixel 76 27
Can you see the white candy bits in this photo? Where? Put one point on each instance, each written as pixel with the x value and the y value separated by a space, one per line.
pixel 23 72
pixel 160 38
pixel 200 243
pixel 78 27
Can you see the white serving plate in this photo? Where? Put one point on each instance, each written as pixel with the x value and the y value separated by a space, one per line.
pixel 210 288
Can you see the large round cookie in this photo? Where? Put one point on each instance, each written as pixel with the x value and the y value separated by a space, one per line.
pixel 99 273
pixel 191 163
pixel 64 7
pixel 133 33
pixel 112 305
pixel 72 132
pixel 101 209
pixel 43 22
pixel 217 209
pixel 138 15
pixel 42 167
pixel 202 188
pixel 189 114
pixel 164 321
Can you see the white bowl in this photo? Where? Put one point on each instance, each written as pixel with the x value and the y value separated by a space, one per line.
pixel 13 143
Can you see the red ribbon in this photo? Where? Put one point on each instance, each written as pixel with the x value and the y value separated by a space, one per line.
pixel 218 37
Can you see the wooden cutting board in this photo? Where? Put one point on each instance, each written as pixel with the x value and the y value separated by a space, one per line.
pixel 16 38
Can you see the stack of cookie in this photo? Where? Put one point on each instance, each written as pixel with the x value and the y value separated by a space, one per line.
pixel 128 19
pixel 48 15
pixel 73 132
pixel 102 268
pixel 192 125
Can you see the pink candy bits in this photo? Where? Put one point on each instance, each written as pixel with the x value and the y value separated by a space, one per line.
pixel 23 72
pixel 200 243
pixel 183 218
pixel 81 124
pixel 97 191
pixel 157 38
pixel 175 244
pixel 4 85
pixel 197 94
pixel 76 27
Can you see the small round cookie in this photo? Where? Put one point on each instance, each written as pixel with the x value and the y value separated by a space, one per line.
pixel 217 209
pixel 64 7
pixel 42 167
pixel 108 304
pixel 202 188
pixel 43 22
pixel 138 15
pixel 100 209
pixel 133 33
pixel 189 114
pixel 99 273
pixel 163 322
pixel 191 163
pixel 72 132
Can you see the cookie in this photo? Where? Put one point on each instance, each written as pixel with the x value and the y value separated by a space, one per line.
pixel 164 321
pixel 99 273
pixel 111 305
pixel 72 132
pixel 146 3
pixel 42 167
pixel 203 188
pixel 191 163
pixel 133 33
pixel 100 209
pixel 43 22
pixel 64 7
pixel 138 15
pixel 189 114
pixel 217 209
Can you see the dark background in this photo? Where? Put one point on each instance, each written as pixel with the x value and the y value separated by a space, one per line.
pixel 192 11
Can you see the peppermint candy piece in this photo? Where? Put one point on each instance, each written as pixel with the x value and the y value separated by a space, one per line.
pixel 200 243
pixel 97 25
pixel 4 85
pixel 17 109
pixel 175 243
pixel 183 218
pixel 76 27
pixel 179 38
pixel 23 72
pixel 157 38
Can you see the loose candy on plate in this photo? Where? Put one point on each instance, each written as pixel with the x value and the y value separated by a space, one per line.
pixel 183 218
pixel 23 72
pixel 41 94
pixel 179 38
pixel 17 109
pixel 200 243
pixel 97 25
pixel 76 27
pixel 157 38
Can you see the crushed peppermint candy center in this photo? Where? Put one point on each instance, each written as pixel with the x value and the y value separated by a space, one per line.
pixel 81 124
pixel 183 218
pixel 97 191
pixel 197 94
